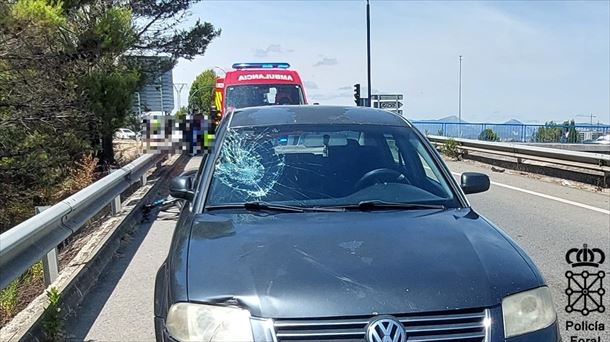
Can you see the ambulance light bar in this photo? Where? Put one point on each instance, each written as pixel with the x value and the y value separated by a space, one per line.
pixel 260 65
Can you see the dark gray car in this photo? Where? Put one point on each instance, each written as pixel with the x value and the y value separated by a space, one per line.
pixel 316 223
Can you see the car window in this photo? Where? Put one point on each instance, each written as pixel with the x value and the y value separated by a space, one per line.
pixel 323 165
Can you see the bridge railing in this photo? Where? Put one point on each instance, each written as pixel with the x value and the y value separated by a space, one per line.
pixel 548 133
pixel 37 238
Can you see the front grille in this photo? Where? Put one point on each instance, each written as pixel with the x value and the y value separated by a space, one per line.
pixel 459 326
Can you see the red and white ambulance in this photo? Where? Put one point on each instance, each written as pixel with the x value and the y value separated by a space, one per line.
pixel 258 84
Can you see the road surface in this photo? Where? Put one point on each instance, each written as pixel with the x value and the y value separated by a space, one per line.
pixel 545 218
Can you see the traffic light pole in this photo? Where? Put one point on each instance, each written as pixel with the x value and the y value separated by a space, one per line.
pixel 368 49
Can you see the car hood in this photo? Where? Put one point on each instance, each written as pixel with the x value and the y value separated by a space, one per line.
pixel 353 263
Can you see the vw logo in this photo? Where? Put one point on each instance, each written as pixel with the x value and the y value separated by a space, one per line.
pixel 386 329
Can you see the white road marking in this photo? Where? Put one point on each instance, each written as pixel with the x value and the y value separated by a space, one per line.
pixel 558 199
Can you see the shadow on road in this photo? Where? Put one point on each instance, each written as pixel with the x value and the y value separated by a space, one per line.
pixel 80 322
pixel 120 305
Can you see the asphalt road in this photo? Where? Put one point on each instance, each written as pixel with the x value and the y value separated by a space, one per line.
pixel 545 218
pixel 546 228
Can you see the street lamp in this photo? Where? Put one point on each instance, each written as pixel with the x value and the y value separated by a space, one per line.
pixel 460 101
pixel 368 50
pixel 196 91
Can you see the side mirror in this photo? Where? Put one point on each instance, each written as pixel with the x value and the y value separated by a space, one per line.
pixel 181 187
pixel 474 182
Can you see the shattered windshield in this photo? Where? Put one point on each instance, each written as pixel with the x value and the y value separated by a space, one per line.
pixel 326 165
pixel 263 95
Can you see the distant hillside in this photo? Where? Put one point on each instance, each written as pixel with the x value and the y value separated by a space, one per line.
pixel 454 119
pixel 450 118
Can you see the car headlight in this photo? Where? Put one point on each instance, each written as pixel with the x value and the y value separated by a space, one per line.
pixel 527 311
pixel 198 322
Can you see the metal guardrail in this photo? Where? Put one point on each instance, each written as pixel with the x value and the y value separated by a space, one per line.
pixel 586 160
pixel 38 237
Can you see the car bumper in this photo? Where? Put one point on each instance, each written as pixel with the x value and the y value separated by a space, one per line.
pixel 548 334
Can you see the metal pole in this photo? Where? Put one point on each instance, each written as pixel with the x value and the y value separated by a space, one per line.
pixel 396 104
pixel 460 102
pixel 368 49
pixel 161 91
pixel 139 104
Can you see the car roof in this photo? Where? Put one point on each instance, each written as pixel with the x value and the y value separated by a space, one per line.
pixel 313 114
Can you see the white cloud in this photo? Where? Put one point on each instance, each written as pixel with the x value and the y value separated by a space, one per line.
pixel 326 61
pixel 272 49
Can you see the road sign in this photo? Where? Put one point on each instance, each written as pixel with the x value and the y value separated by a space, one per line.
pixel 388 104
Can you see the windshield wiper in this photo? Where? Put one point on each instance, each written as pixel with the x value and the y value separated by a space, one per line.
pixel 256 205
pixel 377 204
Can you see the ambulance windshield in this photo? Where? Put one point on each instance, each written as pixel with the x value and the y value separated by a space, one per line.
pixel 263 95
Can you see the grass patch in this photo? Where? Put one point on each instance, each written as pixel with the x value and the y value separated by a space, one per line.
pixel 9 298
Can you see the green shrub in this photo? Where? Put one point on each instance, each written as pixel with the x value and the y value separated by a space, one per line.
pixel 52 321
pixel 450 149
pixel 489 135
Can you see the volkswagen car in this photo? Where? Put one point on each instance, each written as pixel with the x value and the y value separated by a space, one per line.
pixel 324 223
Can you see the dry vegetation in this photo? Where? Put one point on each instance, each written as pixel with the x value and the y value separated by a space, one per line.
pixel 22 291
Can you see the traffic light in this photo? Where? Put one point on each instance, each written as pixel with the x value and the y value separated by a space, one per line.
pixel 357 94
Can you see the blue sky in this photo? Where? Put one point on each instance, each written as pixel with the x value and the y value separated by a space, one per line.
pixel 533 61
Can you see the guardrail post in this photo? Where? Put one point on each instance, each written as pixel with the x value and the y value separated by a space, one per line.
pixel 143 179
pixel 115 204
pixel 50 267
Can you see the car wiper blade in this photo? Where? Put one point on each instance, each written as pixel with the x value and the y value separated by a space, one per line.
pixel 257 205
pixel 376 204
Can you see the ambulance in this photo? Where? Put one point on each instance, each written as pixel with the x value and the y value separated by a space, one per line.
pixel 258 84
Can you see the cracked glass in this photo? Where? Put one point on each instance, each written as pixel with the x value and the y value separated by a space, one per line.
pixel 326 165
